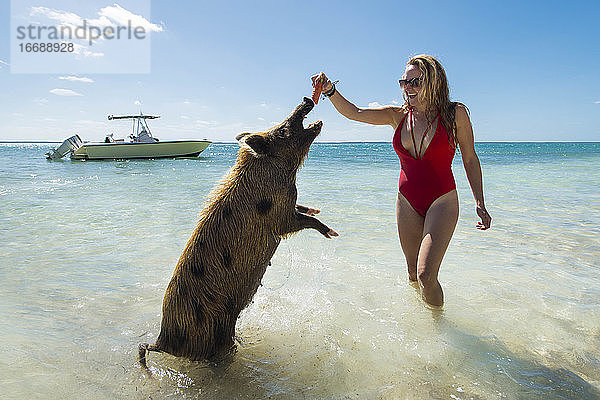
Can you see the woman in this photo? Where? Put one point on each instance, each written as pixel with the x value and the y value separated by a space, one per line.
pixel 428 127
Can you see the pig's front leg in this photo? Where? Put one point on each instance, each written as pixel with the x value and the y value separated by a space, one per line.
pixel 307 210
pixel 302 221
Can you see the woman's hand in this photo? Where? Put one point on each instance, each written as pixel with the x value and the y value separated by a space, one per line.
pixel 486 218
pixel 327 85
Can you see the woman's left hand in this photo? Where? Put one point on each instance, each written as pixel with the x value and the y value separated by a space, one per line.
pixel 327 85
pixel 486 218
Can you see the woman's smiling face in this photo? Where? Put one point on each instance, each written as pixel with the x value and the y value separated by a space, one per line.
pixel 412 74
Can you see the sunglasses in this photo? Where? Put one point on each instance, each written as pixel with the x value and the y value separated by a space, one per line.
pixel 414 82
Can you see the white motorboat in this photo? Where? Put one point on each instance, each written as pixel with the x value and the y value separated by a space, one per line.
pixel 141 145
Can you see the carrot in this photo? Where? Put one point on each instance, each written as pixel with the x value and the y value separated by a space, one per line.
pixel 317 89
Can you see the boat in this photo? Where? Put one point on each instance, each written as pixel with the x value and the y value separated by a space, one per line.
pixel 141 144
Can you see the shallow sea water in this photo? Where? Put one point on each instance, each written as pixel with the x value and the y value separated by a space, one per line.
pixel 89 247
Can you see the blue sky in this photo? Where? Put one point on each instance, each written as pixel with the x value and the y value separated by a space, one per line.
pixel 528 71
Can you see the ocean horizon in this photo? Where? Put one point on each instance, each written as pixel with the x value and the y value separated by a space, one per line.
pixel 325 142
pixel 89 248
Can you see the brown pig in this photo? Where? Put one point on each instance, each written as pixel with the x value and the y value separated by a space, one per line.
pixel 239 230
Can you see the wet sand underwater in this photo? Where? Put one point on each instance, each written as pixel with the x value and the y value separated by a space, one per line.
pixel 90 247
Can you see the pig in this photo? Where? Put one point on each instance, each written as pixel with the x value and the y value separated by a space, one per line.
pixel 239 229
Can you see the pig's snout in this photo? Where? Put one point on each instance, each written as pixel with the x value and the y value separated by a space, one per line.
pixel 307 106
pixel 297 116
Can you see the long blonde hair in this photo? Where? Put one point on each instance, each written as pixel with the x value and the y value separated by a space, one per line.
pixel 435 92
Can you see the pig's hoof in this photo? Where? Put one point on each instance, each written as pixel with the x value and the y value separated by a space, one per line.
pixel 312 211
pixel 331 233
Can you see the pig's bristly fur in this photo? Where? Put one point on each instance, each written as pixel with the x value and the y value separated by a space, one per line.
pixel 238 232
pixel 223 263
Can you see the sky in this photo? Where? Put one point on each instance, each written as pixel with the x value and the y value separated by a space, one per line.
pixel 527 70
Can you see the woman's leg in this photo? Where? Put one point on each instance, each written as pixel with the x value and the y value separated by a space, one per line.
pixel 410 231
pixel 438 228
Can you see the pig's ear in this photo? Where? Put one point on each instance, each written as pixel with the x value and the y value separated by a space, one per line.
pixel 259 144
pixel 242 135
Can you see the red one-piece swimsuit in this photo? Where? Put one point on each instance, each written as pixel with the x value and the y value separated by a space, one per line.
pixel 424 179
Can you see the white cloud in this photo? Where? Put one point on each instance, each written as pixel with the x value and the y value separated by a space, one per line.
pixel 184 117
pixel 76 79
pixel 261 119
pixel 206 123
pixel 137 103
pixel 395 102
pixel 114 15
pixel 375 104
pixel 64 17
pixel 122 17
pixel 111 15
pixel 82 50
pixel 65 92
pixel 597 102
pixel 41 101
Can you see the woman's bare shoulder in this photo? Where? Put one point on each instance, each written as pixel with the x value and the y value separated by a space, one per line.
pixel 461 106
pixel 397 113
pixel 461 113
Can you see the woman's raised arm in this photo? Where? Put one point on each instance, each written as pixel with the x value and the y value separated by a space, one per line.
pixel 386 115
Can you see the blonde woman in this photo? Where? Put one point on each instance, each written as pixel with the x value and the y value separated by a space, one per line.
pixel 427 129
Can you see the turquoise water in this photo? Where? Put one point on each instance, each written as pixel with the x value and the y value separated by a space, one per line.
pixel 89 247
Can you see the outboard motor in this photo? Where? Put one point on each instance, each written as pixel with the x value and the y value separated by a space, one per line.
pixel 68 146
